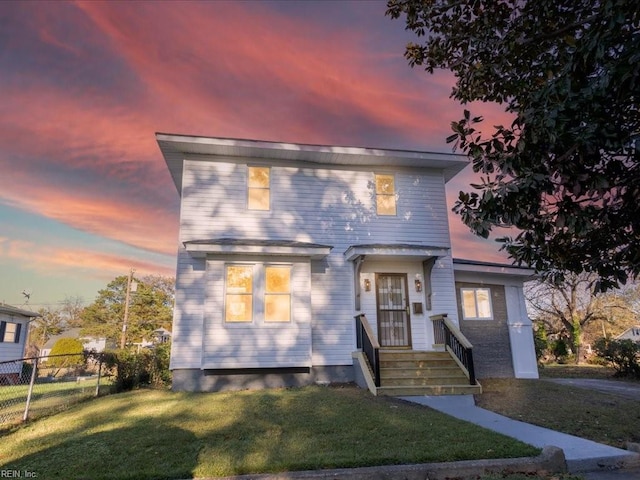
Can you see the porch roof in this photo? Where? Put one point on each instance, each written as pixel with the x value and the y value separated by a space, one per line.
pixel 464 265
pixel 395 250
pixel 235 246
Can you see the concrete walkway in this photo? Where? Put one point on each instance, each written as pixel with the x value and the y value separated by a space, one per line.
pixel 581 455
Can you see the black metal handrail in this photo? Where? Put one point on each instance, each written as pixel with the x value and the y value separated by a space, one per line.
pixel 366 342
pixel 447 334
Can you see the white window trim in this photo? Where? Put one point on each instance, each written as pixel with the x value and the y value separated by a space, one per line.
pixel 268 188
pixel 258 291
pixel 394 194
pixel 475 298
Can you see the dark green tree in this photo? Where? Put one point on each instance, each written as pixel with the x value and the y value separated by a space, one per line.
pixel 566 172
pixel 150 307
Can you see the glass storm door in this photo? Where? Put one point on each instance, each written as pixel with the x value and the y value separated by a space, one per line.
pixel 393 310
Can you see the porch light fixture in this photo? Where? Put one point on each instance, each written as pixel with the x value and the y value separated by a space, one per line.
pixel 367 285
pixel 418 285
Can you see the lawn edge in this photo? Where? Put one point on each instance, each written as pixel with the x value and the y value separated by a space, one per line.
pixel 551 460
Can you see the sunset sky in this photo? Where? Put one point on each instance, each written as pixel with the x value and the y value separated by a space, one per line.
pixel 85 192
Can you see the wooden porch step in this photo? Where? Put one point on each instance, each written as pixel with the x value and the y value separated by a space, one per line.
pixel 406 391
pixel 410 372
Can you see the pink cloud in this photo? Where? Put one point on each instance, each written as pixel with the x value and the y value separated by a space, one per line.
pixel 50 260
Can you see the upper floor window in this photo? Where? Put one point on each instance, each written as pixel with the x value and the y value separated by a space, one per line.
pixel 239 293
pixel 385 195
pixel 277 296
pixel 476 304
pixel 258 188
pixel 10 332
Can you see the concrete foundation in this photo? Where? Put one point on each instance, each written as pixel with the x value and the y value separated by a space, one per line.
pixel 196 380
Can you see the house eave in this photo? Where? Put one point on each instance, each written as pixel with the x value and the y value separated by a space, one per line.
pixel 464 265
pixel 395 251
pixel 175 147
pixel 8 309
pixel 227 246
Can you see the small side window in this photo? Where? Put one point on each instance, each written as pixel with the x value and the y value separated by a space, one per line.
pixel 476 304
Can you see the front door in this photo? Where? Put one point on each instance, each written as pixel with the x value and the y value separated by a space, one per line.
pixel 393 310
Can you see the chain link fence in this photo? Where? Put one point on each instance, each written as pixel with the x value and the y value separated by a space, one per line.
pixel 37 386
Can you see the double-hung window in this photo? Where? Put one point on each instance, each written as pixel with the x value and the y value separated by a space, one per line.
pixel 277 295
pixel 385 194
pixel 476 304
pixel 259 188
pixel 239 293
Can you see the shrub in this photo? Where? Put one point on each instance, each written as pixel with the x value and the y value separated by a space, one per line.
pixel 560 350
pixel 623 355
pixel 135 369
pixel 66 353
pixel 541 342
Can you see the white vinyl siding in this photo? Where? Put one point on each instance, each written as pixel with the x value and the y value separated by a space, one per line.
pixel 329 206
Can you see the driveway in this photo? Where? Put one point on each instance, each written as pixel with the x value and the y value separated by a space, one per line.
pixel 629 390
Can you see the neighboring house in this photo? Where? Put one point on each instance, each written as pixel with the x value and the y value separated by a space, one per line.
pixel 89 343
pixel 632 333
pixel 14 328
pixel 282 245
pixel 160 335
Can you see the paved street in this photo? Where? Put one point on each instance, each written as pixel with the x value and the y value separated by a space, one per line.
pixel 629 390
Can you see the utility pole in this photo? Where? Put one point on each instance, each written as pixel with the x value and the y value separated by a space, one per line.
pixel 123 337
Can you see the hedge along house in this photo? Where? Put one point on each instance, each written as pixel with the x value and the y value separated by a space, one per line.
pixel 305 263
pixel 14 329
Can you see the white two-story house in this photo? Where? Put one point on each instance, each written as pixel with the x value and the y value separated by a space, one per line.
pixel 306 263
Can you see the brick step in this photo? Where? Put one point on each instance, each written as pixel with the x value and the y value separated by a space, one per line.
pixel 406 391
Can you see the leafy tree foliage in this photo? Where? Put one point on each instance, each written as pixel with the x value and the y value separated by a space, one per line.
pixel 150 307
pixel 623 355
pixel 566 172
pixel 71 348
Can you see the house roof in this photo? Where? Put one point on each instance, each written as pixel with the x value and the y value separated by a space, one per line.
pixel 230 246
pixel 17 311
pixel 174 147
pixel 463 265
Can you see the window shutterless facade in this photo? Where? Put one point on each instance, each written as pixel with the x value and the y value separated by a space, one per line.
pixel 259 188
pixel 385 194
pixel 476 304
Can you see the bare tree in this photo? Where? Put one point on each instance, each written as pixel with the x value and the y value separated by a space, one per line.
pixel 565 310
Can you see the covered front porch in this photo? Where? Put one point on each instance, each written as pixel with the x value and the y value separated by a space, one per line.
pixel 446 370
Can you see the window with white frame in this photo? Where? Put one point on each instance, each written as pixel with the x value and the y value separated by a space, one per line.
pixel 10 332
pixel 277 295
pixel 239 293
pixel 259 188
pixel 257 292
pixel 476 304
pixel 385 194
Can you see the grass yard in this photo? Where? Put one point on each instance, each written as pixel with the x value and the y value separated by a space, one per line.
pixel 45 397
pixel 597 416
pixel 152 434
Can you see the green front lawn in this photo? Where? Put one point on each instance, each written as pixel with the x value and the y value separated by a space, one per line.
pixel 157 434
